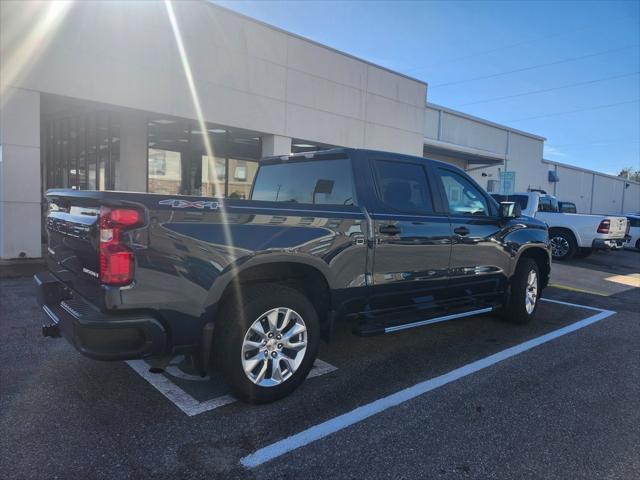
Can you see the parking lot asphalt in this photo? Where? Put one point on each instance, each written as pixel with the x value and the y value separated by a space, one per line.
pixel 569 408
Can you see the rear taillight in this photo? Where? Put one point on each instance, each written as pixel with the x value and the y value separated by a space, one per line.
pixel 116 259
pixel 604 226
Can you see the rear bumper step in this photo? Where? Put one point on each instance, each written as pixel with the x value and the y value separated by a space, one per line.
pixel 608 244
pixel 93 333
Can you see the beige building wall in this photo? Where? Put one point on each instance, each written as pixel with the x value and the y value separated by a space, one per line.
pixel 574 186
pixel 20 196
pixel 194 60
pixel 594 192
pixel 483 142
pixel 245 74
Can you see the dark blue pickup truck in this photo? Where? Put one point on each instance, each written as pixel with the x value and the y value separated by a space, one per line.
pixel 249 287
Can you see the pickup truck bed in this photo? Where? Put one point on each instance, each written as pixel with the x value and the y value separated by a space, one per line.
pixel 386 241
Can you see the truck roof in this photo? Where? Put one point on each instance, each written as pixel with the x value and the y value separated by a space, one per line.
pixel 340 152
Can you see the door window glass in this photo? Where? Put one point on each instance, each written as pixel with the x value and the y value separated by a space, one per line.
pixel 548 204
pixel 464 198
pixel 403 186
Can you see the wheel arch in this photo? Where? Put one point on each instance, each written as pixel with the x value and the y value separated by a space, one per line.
pixel 542 258
pixel 570 231
pixel 312 278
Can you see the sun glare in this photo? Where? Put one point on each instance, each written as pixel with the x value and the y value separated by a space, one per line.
pixel 184 58
pixel 40 21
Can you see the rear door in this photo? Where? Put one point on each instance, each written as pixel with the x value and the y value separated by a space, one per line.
pixel 412 235
pixel 479 260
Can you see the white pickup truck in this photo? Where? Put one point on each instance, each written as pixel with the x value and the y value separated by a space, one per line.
pixel 571 233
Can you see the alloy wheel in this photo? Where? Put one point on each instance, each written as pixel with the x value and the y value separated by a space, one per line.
pixel 531 293
pixel 559 246
pixel 274 347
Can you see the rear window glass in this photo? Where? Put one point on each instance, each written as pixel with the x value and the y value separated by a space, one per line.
pixel 321 182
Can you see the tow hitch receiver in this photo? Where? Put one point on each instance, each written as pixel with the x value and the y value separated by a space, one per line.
pixel 51 330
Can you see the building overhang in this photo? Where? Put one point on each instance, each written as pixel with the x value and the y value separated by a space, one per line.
pixel 472 156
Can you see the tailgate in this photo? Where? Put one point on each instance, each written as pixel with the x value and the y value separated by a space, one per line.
pixel 73 242
pixel 90 240
pixel 618 227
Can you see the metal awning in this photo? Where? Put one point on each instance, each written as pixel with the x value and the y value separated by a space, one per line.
pixel 472 156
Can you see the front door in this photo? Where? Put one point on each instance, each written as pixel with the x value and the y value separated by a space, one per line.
pixel 412 237
pixel 479 259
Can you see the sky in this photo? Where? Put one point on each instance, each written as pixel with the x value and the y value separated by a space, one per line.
pixel 568 71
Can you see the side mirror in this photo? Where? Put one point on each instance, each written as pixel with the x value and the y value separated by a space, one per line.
pixel 510 210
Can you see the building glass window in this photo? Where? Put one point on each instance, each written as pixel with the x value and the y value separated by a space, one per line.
pixel 185 160
pixel 167 157
pixel 80 144
pixel 165 171
pixel 244 150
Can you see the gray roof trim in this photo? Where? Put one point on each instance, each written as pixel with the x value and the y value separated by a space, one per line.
pixel 484 121
pixel 212 3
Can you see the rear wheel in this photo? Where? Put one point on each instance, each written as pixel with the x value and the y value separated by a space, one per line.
pixel 563 245
pixel 266 342
pixel 525 293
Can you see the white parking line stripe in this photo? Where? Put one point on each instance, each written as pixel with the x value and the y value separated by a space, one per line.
pixel 340 422
pixel 166 387
pixel 189 405
pixel 586 307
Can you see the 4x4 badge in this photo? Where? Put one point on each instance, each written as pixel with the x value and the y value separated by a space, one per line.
pixel 199 204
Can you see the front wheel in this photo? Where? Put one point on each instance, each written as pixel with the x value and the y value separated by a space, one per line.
pixel 525 293
pixel 266 342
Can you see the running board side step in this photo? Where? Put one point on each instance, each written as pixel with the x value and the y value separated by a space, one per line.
pixel 378 327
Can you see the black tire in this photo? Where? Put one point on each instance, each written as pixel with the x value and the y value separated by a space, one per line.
pixel 583 252
pixel 232 324
pixel 565 239
pixel 515 309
